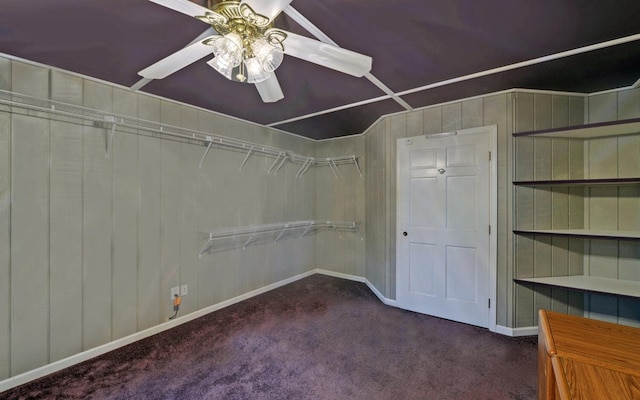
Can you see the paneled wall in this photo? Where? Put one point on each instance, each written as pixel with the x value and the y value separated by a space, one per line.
pixel 91 245
pixel 514 111
pixel 381 182
pixel 341 199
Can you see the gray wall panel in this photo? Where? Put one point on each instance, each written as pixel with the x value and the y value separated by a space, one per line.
pixel 66 223
pixel 629 104
pixel 189 239
pixel 603 107
pixel 472 113
pixel 30 80
pixel 376 205
pixel 577 110
pixel 29 243
pixel 66 88
pixel 97 222
pixel 496 111
pixel 432 118
pixel 5 74
pixel 125 234
pixel 560 109
pixel 97 240
pixel 170 189
pixel 149 313
pixel 124 153
pixel 5 240
pixel 524 112
pixel 361 211
pixel 543 111
pixel 208 218
pixel 451 117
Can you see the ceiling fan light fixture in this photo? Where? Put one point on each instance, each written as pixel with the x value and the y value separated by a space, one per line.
pixel 223 67
pixel 255 72
pixel 228 48
pixel 270 57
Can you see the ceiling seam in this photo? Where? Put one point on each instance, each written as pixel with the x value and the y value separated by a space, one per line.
pixel 533 61
pixel 330 110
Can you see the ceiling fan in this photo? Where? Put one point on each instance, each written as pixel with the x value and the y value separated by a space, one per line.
pixel 248 48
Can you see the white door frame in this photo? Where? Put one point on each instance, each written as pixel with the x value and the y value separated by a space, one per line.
pixel 492 132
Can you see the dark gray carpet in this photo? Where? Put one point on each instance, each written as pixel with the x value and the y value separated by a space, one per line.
pixel 318 338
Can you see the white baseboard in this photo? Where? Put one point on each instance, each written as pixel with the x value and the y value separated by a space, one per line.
pixel 97 351
pixel 503 330
pixel 515 332
pixel 361 279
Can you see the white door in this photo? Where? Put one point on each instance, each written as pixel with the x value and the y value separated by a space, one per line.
pixel 443 217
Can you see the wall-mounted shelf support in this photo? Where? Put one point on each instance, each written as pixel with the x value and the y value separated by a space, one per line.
pixel 246 158
pixel 281 229
pixel 355 162
pixel 284 229
pixel 277 163
pixel 206 151
pixel 205 248
pixel 306 230
pixel 337 231
pixel 308 163
pixel 334 168
pixel 109 141
pixel 249 240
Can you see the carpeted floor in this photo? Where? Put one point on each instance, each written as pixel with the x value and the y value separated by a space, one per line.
pixel 318 338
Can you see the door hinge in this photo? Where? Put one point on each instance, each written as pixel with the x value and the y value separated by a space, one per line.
pixel 489 156
pixel 489 229
pixel 489 303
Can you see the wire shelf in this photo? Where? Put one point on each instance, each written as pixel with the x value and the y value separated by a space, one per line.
pixel 112 122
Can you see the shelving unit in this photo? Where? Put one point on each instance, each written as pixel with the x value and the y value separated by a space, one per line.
pixel 592 284
pixel 577 201
pixel 251 234
pixel 113 122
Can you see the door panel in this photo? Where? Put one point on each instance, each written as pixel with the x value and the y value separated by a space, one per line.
pixel 443 207
pixel 422 269
pixel 461 272
pixel 459 215
pixel 423 196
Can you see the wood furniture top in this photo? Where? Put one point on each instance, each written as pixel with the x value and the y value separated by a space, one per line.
pixel 590 359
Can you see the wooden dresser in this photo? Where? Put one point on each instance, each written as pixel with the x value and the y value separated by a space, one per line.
pixel 581 358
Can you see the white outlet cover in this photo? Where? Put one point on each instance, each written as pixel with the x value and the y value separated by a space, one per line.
pixel 175 290
pixel 184 290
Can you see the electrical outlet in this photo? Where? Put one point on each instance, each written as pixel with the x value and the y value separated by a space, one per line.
pixel 184 290
pixel 175 290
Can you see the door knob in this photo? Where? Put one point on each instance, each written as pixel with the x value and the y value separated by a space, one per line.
pixel 442 170
pixel 404 233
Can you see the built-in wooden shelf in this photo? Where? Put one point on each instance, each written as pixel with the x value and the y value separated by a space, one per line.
pixel 585 233
pixel 589 131
pixel 583 158
pixel 592 284
pixel 582 182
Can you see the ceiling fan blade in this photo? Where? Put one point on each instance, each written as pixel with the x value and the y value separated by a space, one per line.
pixel 269 9
pixel 178 60
pixel 327 55
pixel 270 90
pixel 183 6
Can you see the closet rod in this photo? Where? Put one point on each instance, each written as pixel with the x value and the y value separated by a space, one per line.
pixel 111 121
